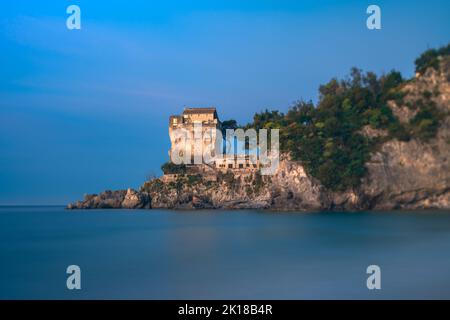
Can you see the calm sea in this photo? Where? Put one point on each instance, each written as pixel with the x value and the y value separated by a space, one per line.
pixel 158 254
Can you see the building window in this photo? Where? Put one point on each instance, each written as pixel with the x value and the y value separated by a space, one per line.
pixel 230 165
pixel 241 166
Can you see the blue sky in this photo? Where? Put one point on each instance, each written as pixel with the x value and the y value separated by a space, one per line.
pixel 86 110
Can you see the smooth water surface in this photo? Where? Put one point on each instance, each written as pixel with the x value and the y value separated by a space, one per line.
pixel 156 254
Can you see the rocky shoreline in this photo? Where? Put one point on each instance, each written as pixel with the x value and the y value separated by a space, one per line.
pixel 401 175
pixel 289 190
pixel 126 199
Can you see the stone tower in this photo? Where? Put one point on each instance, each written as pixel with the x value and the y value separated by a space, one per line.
pixel 188 120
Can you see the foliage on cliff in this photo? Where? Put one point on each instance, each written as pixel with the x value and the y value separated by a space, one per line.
pixel 171 168
pixel 431 59
pixel 327 137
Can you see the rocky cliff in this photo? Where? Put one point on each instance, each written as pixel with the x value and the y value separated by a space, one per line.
pixel 401 174
pixel 413 174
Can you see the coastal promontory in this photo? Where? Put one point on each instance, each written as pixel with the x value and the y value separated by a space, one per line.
pixel 370 143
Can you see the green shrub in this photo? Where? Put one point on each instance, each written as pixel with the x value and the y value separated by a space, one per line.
pixel 257 182
pixel 430 59
pixel 194 179
pixel 427 94
pixel 227 177
pixel 426 122
pixel 398 131
pixel 171 168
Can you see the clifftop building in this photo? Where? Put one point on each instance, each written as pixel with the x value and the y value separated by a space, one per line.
pixel 205 116
pixel 209 120
pixel 191 117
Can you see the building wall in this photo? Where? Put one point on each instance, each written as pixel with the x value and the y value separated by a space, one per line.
pixel 200 117
pixel 209 124
pixel 237 162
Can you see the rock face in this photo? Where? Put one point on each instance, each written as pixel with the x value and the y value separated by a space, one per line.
pixel 128 199
pixel 401 175
pixel 136 200
pixel 414 174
